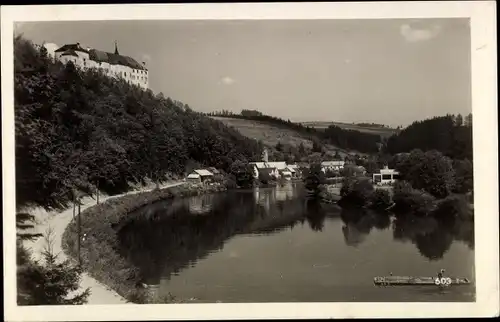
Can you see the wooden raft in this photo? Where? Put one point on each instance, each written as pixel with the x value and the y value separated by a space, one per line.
pixel 411 280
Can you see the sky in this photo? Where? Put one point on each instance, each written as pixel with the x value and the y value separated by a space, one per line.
pixel 383 71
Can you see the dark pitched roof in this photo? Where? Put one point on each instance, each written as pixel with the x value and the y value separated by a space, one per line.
pixel 114 59
pixel 69 52
pixel 76 47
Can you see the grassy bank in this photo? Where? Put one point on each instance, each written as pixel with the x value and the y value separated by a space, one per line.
pixel 98 250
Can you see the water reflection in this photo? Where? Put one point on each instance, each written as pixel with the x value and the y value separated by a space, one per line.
pixel 165 238
pixel 315 215
pixel 432 238
pixel 358 223
pixel 201 204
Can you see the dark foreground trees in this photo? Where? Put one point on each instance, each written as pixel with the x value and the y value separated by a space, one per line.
pixel 46 282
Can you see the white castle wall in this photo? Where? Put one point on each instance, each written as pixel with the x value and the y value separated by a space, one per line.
pixel 132 76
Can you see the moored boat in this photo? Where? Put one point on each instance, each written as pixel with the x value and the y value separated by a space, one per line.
pixel 415 280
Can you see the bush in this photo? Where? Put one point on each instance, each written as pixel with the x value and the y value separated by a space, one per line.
pixel 381 199
pixel 356 191
pixel 409 200
pixel 453 207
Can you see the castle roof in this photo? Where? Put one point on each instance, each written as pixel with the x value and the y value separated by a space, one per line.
pixel 74 47
pixel 101 56
pixel 114 59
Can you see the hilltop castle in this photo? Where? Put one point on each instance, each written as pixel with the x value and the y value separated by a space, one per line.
pixel 112 64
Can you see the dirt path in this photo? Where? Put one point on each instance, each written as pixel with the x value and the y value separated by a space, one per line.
pixel 57 221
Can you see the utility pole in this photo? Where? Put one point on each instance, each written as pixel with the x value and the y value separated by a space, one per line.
pixel 97 190
pixel 79 224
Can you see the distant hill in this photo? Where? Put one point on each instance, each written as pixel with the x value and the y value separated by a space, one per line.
pixel 335 136
pixel 365 128
pixel 449 134
pixel 271 134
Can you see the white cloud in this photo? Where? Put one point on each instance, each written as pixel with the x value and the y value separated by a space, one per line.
pixel 413 34
pixel 227 80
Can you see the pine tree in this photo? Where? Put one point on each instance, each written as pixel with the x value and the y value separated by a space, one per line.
pixel 45 283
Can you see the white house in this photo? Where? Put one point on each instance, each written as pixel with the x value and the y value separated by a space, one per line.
pixel 293 169
pixel 111 64
pixel 385 176
pixel 336 165
pixel 267 167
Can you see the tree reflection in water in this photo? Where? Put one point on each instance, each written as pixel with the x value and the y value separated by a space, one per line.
pixel 358 223
pixel 315 215
pixel 432 237
pixel 164 238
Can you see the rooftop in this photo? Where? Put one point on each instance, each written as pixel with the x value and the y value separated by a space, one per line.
pixel 101 56
pixel 333 163
pixel 268 165
pixel 203 172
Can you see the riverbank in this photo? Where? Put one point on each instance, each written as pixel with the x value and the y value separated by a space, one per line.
pixel 57 222
pixel 98 250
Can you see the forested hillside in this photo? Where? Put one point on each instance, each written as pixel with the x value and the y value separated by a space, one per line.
pixel 80 129
pixel 451 135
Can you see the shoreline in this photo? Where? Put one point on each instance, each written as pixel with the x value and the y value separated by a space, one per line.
pixel 98 252
pixel 58 221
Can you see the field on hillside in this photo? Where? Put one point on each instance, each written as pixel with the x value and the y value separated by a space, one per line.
pixel 271 135
pixel 384 132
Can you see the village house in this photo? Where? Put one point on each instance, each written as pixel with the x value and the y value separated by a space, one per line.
pixel 265 167
pixel 193 178
pixel 294 170
pixel 200 175
pixel 335 165
pixel 385 176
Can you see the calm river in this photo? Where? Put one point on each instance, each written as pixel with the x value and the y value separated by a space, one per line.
pixel 271 245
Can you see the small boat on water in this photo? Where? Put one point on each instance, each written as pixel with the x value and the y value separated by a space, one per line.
pixel 415 280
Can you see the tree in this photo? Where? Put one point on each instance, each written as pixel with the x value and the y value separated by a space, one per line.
pixel 314 179
pixel 46 283
pixel 317 147
pixel 410 200
pixel 431 171
pixel 243 173
pixel 464 173
pixel 279 147
pixel 302 149
pixel 468 120
pixel 380 199
pixel 459 120
pixel 356 191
